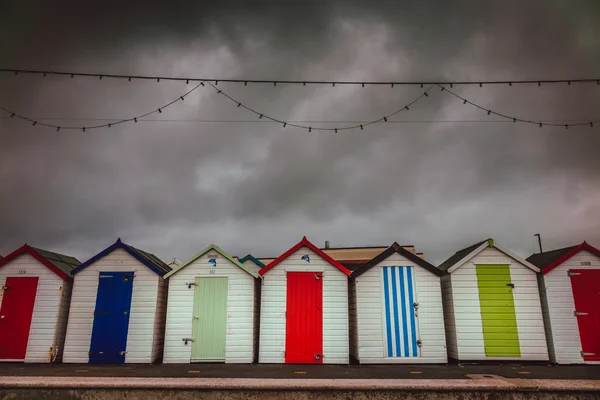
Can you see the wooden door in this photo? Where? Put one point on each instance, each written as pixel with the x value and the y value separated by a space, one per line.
pixel 111 318
pixel 16 312
pixel 209 324
pixel 304 318
pixel 585 284
pixel 399 301
pixel 498 317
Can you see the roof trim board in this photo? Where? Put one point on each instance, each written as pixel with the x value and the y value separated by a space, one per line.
pixel 396 248
pixel 253 259
pixel 305 243
pixel 154 263
pixel 492 244
pixel 206 250
pixel 569 254
pixel 32 252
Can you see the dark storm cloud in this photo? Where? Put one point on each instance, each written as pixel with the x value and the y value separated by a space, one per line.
pixel 255 187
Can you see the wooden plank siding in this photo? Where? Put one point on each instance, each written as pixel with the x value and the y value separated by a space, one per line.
pixel 45 340
pixel 370 335
pixel 463 314
pixel 335 309
pixel 240 330
pixel 144 313
pixel 562 331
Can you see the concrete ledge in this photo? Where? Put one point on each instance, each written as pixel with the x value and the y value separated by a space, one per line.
pixel 231 384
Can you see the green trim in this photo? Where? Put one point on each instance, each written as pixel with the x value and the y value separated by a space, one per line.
pixel 498 317
pixel 206 250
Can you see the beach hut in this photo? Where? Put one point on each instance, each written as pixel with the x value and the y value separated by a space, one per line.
pixel 212 312
pixel 35 289
pixel 118 308
pixel 396 313
pixel 492 307
pixel 251 262
pixel 304 308
pixel 570 291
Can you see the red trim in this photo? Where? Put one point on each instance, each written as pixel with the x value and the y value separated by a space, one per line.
pixel 27 249
pixel 575 250
pixel 305 243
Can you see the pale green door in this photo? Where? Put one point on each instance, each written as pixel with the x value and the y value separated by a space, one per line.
pixel 210 319
pixel 498 317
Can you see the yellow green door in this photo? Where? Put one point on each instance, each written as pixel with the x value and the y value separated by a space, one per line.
pixel 500 333
pixel 210 319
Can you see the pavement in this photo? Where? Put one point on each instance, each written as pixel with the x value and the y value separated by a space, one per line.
pixel 307 372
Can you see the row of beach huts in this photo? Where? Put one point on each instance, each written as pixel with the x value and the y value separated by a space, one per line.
pixel 309 306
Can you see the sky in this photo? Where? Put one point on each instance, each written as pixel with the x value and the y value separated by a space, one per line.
pixel 433 180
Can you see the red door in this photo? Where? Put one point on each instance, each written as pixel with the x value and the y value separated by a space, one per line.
pixel 304 318
pixel 16 311
pixel 586 293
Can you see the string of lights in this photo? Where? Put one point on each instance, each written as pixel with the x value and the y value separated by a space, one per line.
pixel 274 82
pixel 515 119
pixel 37 122
pixel 311 128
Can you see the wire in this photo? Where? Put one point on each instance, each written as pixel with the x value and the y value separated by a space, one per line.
pixel 310 128
pixel 537 82
pixel 514 119
pixel 109 124
pixel 244 121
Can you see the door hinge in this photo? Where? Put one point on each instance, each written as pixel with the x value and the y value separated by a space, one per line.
pixel 100 312
pixel 578 314
pixel 318 276
pixel 416 306
pixel 512 285
pixel 93 353
pixel 5 287
pixel 584 354
pixel 319 356
pixel 570 273
pixel 122 353
pixel 419 343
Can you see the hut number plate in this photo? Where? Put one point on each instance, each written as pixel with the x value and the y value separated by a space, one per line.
pixel 211 271
pixel 22 271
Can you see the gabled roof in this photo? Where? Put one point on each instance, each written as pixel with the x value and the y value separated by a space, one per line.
pixel 149 260
pixel 464 255
pixel 396 248
pixel 305 243
pixel 218 250
pixel 250 257
pixel 60 264
pixel 549 260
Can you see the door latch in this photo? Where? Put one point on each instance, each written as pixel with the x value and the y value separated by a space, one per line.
pixel 122 353
pixel 187 339
pixel 190 284
pixel 578 314
pixel 317 276
pixel 318 356
pixel 584 354
pixel 416 306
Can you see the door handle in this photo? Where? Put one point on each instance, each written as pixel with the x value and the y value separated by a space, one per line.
pixel 125 313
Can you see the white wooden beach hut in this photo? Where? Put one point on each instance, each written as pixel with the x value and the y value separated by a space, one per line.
pixel 118 308
pixel 35 289
pixel 212 310
pixel 492 307
pixel 396 313
pixel 304 308
pixel 570 291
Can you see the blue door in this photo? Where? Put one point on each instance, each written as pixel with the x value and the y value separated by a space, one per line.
pixel 111 318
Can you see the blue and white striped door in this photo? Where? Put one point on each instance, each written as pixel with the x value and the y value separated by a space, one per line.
pixel 399 312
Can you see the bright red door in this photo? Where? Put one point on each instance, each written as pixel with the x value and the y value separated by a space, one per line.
pixel 586 293
pixel 15 317
pixel 304 318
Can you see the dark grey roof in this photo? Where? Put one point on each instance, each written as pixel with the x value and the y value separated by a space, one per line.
pixel 152 259
pixel 395 248
pixel 459 255
pixel 65 263
pixel 546 258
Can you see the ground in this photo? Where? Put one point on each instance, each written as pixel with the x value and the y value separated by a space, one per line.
pixel 452 371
